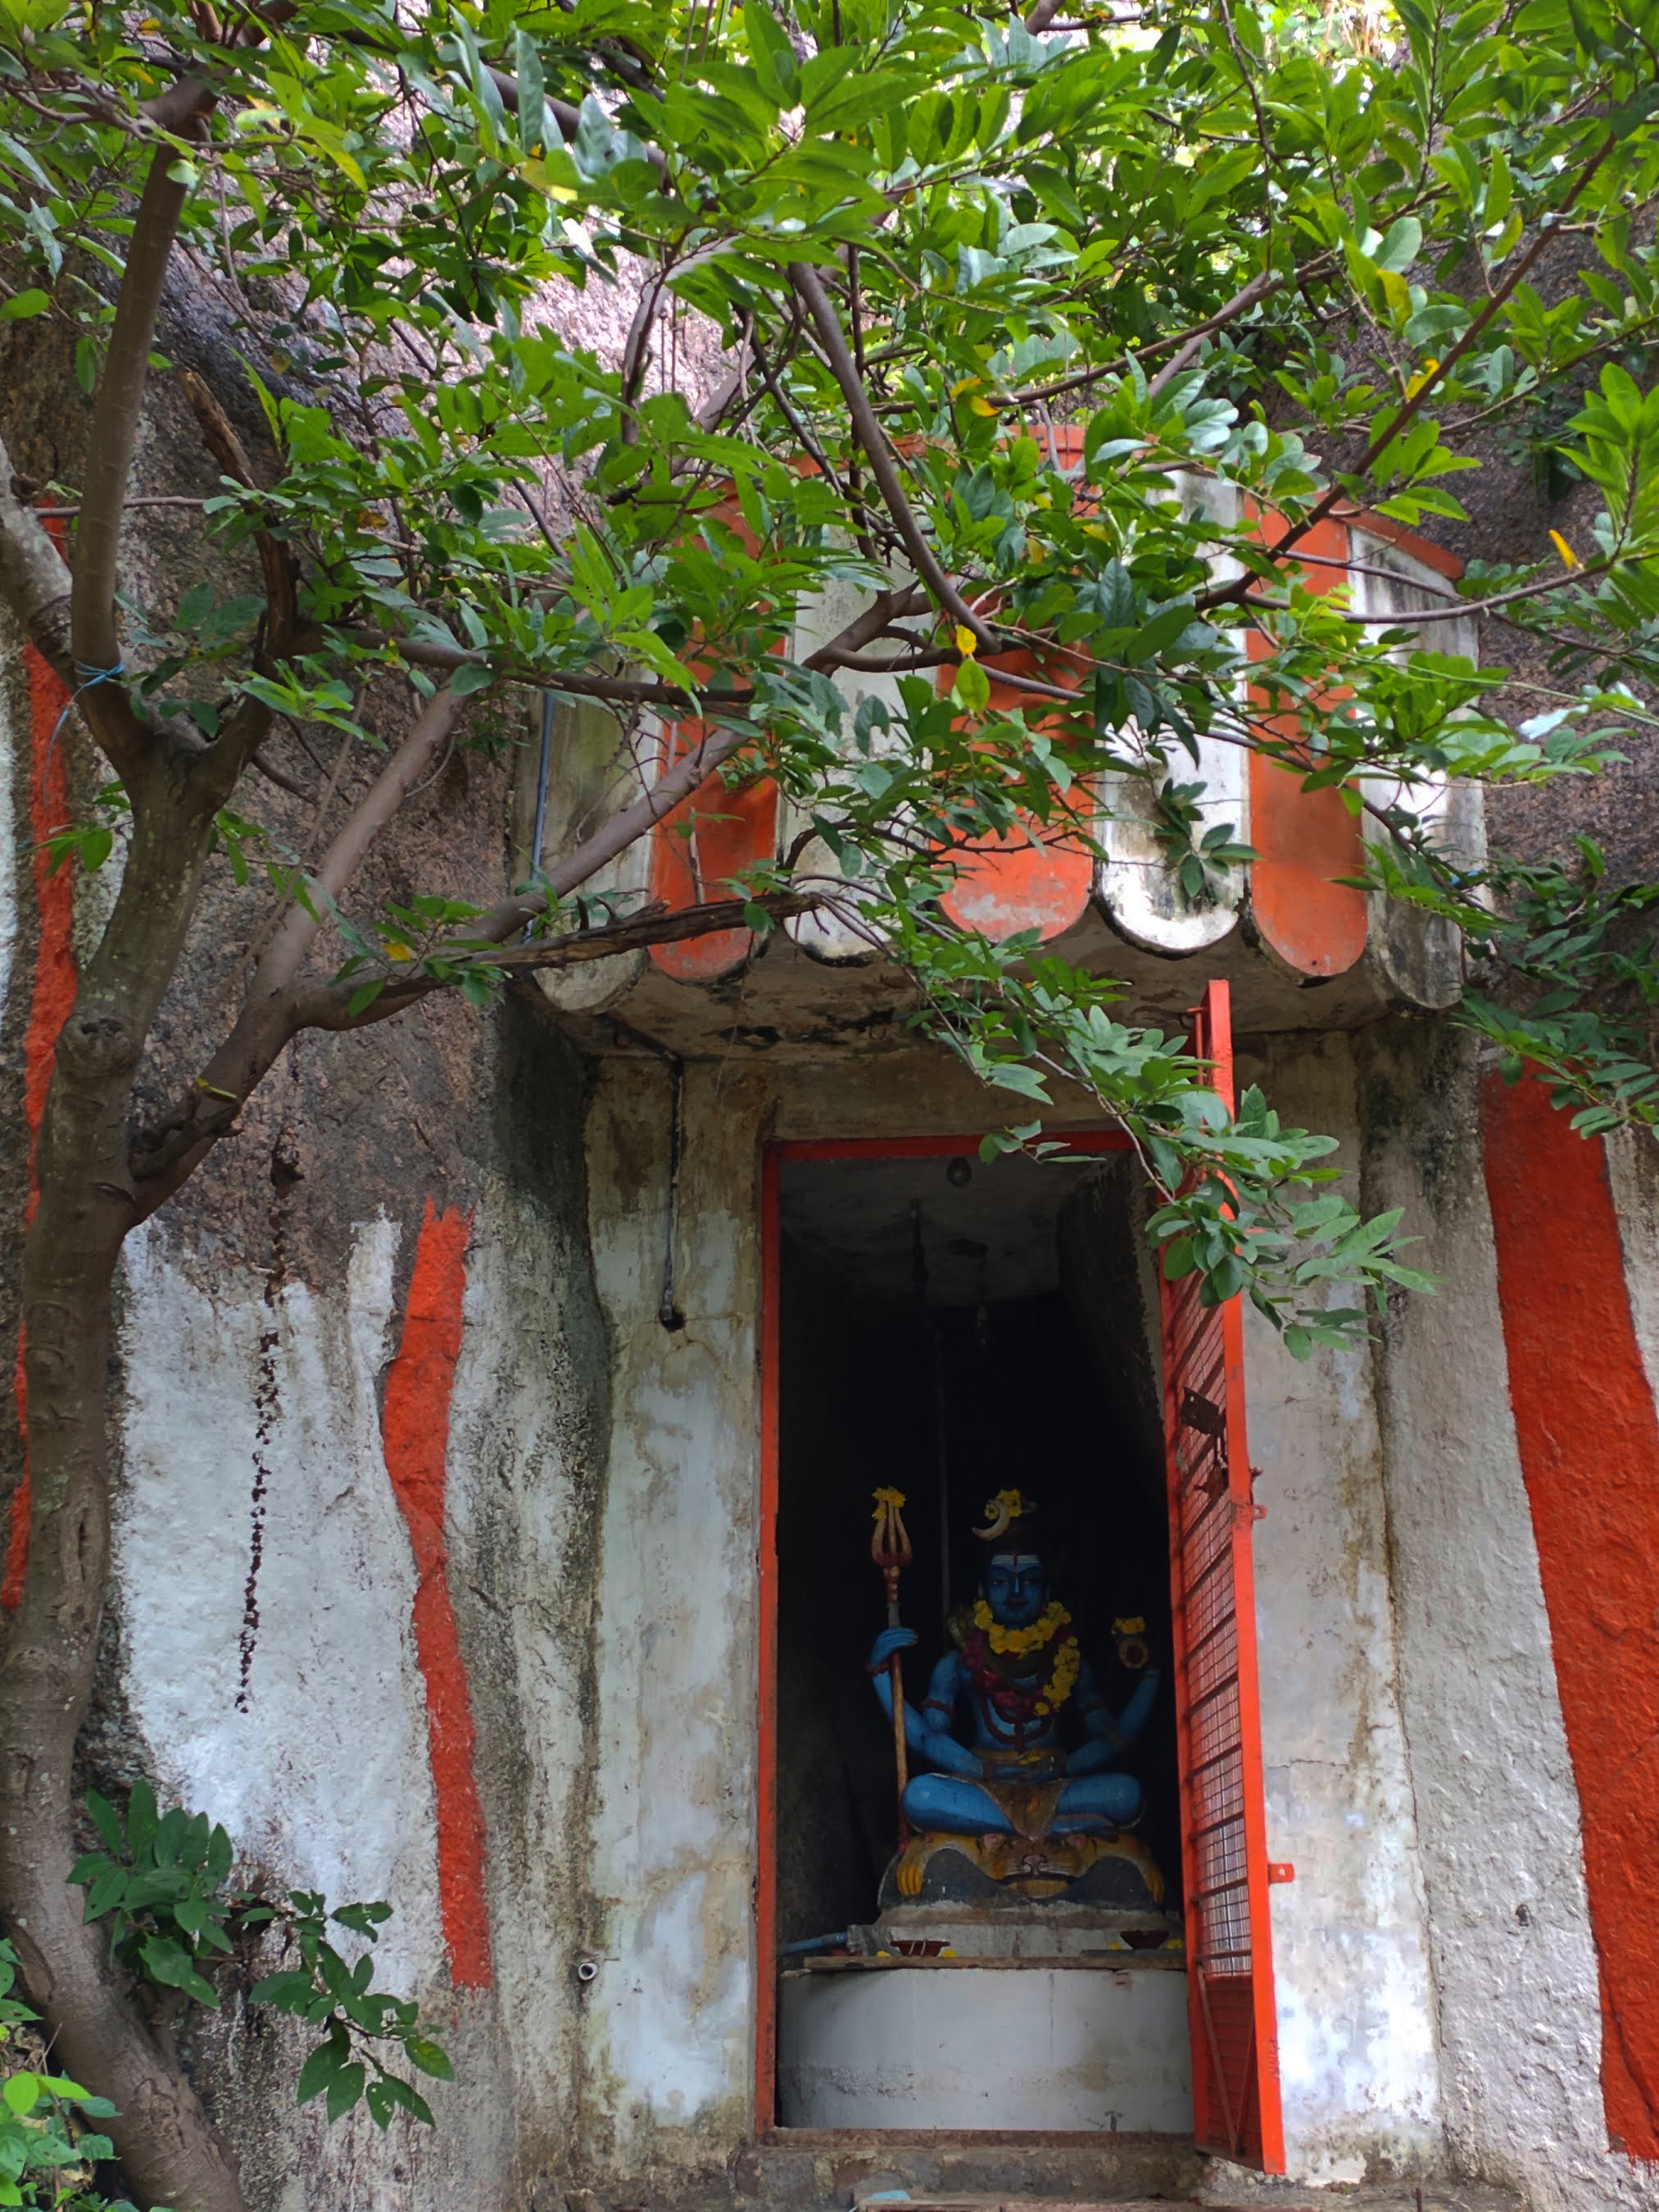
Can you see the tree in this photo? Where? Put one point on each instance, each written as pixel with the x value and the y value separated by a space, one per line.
pixel 923 234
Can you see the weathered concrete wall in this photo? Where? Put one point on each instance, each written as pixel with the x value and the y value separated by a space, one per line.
pixel 1514 1954
pixel 318 1760
pixel 668 2032
pixel 1356 2035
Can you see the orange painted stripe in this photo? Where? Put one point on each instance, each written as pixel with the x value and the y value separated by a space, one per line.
pixel 1588 1440
pixel 415 1434
pixel 50 999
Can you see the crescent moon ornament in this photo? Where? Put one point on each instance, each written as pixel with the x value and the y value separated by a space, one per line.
pixel 1006 1506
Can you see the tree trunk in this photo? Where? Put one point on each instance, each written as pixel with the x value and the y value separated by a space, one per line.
pixel 165 2141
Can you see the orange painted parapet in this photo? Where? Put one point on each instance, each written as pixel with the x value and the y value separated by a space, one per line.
pixel 1589 1442
pixel 695 852
pixel 51 995
pixel 1308 842
pixel 1305 839
pixel 415 1433
pixel 1014 885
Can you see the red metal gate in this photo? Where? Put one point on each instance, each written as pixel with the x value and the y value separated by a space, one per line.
pixel 1235 2108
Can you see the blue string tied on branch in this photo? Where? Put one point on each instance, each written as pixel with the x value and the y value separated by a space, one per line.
pixel 85 678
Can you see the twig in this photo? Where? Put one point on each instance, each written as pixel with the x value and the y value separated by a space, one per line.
pixel 879 454
pixel 157 499
pixel 282 958
pixel 1410 407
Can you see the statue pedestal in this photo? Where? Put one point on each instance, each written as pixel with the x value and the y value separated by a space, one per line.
pixel 1079 2045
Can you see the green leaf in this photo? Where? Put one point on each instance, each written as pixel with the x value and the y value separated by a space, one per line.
pixel 108 1821
pixel 471 676
pixel 22 305
pixel 142 1822
pixel 774 57
pixel 105 1893
pixel 320 2067
pixel 343 2089
pixel 429 2056
pixel 288 1992
pixel 533 98
pixel 972 687
pixel 1402 246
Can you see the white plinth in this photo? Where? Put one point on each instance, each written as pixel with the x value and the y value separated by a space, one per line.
pixel 938 2046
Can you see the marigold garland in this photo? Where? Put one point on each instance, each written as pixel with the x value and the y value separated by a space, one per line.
pixel 1051 1622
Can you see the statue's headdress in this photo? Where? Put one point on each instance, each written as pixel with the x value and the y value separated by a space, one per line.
pixel 1008 1518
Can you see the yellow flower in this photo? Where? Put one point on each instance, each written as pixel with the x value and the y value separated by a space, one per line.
pixel 1566 551
pixel 1135 1628
pixel 1052 1618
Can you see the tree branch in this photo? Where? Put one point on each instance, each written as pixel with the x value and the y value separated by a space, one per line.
pixel 164 1158
pixel 1258 288
pixel 1409 408
pixel 111 440
pixel 671 790
pixel 219 436
pixel 284 955
pixel 33 581
pixel 879 454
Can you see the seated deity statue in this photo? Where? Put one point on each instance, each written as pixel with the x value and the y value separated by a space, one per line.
pixel 1020 1809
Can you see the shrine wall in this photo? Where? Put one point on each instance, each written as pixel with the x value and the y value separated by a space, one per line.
pixel 1358 2064
pixel 1533 2085
pixel 669 2024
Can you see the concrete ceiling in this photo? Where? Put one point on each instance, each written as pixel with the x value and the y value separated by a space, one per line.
pixel 993 1239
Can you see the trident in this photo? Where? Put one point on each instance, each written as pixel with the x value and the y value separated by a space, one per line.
pixel 889 1547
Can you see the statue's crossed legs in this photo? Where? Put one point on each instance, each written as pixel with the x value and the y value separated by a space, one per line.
pixel 1088 1805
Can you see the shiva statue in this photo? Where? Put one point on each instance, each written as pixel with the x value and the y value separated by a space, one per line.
pixel 1021 1812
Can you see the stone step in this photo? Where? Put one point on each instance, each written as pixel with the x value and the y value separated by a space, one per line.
pixel 1229 2196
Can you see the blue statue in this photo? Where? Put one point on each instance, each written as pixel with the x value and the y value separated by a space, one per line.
pixel 1013 1802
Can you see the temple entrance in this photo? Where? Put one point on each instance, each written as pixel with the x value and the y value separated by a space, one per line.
pixel 1004 1948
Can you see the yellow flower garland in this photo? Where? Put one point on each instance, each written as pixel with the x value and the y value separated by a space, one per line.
pixel 1052 1618
pixel 1068 1659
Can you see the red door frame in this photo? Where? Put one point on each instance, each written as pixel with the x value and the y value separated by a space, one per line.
pixel 1226 1873
pixel 773 1156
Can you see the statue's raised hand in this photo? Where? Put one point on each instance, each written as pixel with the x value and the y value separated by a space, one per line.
pixel 890 1641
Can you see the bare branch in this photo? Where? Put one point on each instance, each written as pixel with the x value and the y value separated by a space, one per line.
pixel 1242 302
pixel 113 436
pixel 879 454
pixel 286 952
pixel 164 1157
pixel 886 607
pixel 220 440
pixel 671 789
pixel 34 583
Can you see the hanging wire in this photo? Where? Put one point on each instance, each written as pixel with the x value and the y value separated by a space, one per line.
pixel 941 1461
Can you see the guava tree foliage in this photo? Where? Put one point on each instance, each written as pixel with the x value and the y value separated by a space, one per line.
pixel 923 241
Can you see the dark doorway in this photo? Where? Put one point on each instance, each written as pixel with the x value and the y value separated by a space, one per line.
pixel 950 1324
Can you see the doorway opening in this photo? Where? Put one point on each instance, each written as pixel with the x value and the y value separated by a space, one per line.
pixel 955 1331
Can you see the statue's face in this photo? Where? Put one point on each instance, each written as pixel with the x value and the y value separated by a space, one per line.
pixel 1016 1589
